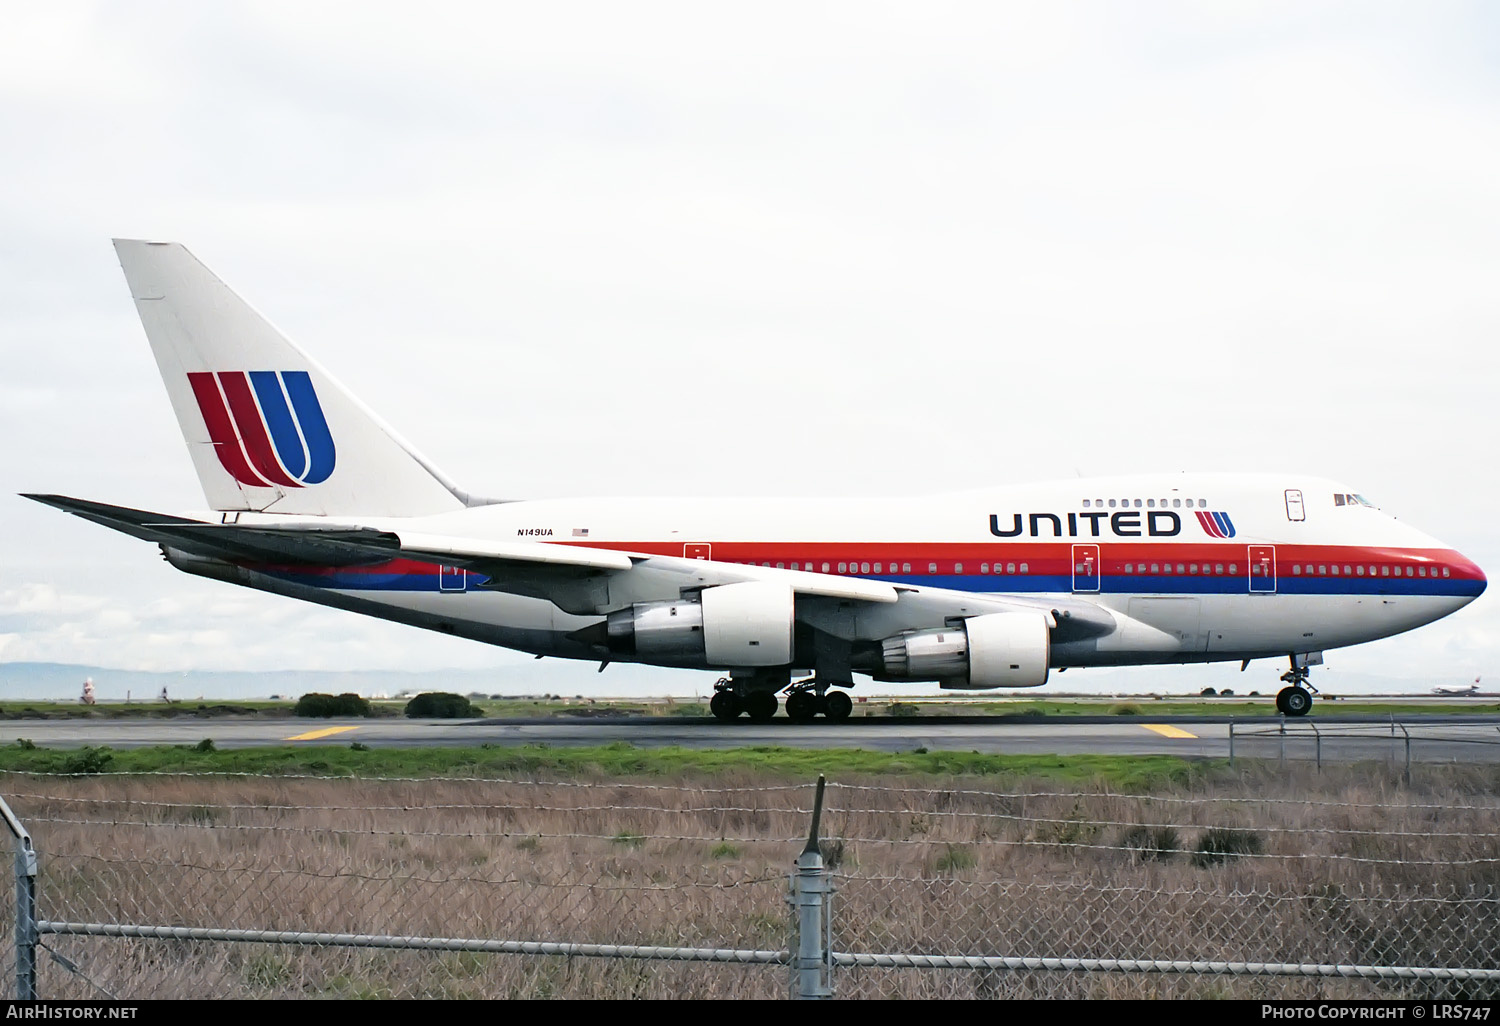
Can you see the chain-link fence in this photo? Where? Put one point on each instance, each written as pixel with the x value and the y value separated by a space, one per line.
pixel 1252 886
pixel 1364 891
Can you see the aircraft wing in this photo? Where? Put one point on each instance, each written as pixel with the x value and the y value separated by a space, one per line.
pixel 529 568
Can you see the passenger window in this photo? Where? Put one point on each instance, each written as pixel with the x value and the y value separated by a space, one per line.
pixel 1421 571
pixel 1192 568
pixel 984 568
pixel 1348 570
pixel 1297 569
pixel 1385 571
pixel 906 568
pixel 1445 571
pixel 1140 568
pixel 1361 571
pixel 1335 570
pixel 1085 504
pixel 1111 503
pixel 843 568
pixel 781 566
pixel 1023 568
pixel 1408 572
pixel 1322 570
pixel 1218 568
pixel 864 568
pixel 1156 568
pixel 825 568
pixel 1176 503
pixel 932 568
pixel 1234 568
pixel 1137 503
pixel 958 568
pixel 1129 568
pixel 1010 568
pixel 1151 503
pixel 877 568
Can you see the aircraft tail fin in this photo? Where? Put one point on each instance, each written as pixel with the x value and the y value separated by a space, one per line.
pixel 267 427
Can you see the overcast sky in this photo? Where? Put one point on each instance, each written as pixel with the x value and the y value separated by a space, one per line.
pixel 835 249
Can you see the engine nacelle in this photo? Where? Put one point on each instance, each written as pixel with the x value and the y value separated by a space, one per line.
pixel 996 650
pixel 733 625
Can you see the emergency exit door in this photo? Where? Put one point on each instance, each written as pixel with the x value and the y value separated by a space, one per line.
pixel 1262 560
pixel 1085 568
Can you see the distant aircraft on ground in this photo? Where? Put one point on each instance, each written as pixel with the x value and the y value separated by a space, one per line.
pixel 1472 689
pixel 315 498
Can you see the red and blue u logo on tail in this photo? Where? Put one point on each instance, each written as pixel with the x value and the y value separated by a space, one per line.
pixel 1218 525
pixel 267 426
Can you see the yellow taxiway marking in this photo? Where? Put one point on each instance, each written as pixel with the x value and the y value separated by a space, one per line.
pixel 1167 730
pixel 313 735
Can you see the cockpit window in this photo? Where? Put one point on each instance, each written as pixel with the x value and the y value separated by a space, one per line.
pixel 1350 499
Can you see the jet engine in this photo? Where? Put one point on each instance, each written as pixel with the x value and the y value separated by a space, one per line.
pixel 996 650
pixel 748 624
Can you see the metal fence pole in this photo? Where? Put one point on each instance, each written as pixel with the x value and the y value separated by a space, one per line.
pixel 1406 774
pixel 811 888
pixel 1231 743
pixel 26 934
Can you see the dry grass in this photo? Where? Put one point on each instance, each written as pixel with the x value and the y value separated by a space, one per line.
pixel 1353 869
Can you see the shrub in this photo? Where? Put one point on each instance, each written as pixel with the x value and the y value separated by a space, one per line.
pixel 725 850
pixel 327 706
pixel 1151 844
pixel 957 857
pixel 206 745
pixel 902 710
pixel 441 705
pixel 87 760
pixel 1220 843
pixel 1125 709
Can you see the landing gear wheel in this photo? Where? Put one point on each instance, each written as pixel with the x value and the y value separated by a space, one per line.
pixel 836 706
pixel 723 706
pixel 801 706
pixel 761 705
pixel 1294 701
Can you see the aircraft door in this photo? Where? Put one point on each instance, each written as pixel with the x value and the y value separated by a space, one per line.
pixel 697 550
pixel 451 578
pixel 1262 561
pixel 1085 568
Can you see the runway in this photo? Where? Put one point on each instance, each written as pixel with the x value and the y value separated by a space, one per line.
pixel 1437 738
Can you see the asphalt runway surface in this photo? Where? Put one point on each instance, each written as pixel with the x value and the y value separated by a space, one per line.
pixel 1428 738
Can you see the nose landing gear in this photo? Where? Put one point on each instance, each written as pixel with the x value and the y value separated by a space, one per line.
pixel 1297 697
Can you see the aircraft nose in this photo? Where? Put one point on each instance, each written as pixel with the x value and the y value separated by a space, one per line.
pixel 1474 576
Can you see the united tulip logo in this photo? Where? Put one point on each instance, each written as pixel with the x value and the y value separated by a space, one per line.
pixel 267 427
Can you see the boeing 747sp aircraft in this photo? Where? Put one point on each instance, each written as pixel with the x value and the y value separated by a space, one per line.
pixel 315 498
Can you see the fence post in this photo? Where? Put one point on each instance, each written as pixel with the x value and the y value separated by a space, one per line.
pixel 26 935
pixel 810 891
pixel 1231 743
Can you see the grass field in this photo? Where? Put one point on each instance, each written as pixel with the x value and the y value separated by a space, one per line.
pixel 1260 864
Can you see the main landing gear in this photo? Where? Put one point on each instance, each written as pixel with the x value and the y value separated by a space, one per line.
pixel 805 701
pixel 1297 697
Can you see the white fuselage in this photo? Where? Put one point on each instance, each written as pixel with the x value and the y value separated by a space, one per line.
pixel 1190 567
